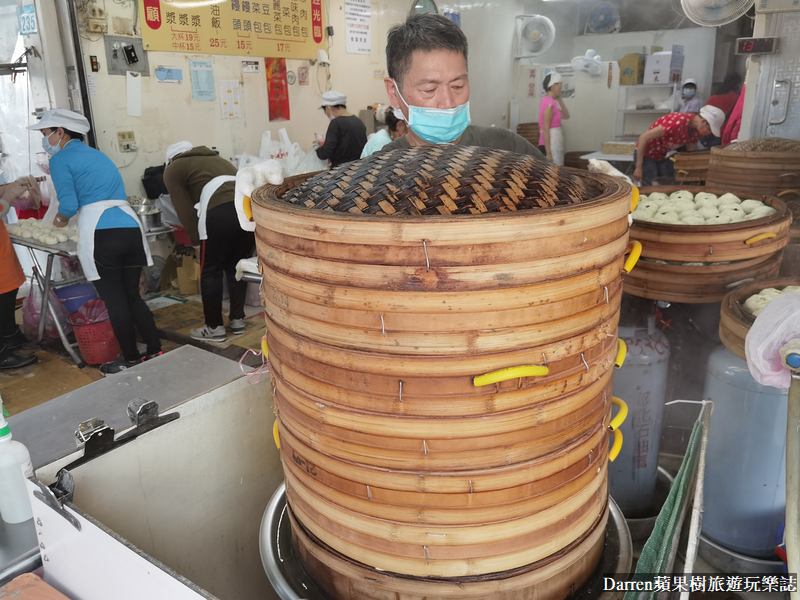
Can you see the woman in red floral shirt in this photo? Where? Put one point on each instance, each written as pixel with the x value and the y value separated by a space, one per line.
pixel 668 133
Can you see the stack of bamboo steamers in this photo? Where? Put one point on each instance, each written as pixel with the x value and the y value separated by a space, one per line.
pixel 442 327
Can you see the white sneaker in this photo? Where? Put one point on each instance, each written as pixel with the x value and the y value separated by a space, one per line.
pixel 210 334
pixel 237 326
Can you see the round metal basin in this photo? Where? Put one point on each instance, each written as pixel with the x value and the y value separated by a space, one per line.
pixel 291 582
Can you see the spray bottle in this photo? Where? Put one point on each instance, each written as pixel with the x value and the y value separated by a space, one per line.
pixel 15 468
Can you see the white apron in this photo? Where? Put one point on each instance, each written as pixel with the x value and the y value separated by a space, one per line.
pixel 88 217
pixel 202 206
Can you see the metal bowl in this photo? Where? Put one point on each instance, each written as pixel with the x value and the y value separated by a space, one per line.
pixel 151 220
pixel 291 582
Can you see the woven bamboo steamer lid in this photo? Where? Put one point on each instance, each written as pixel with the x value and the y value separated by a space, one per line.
pixel 550 579
pixel 735 321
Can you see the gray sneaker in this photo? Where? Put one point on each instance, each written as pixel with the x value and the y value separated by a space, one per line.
pixel 210 334
pixel 237 326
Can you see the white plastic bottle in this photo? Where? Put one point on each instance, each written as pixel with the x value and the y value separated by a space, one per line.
pixel 15 468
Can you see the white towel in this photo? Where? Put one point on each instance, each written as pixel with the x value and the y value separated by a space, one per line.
pixel 250 178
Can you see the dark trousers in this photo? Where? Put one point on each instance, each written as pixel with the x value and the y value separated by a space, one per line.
pixel 119 256
pixel 655 168
pixel 8 325
pixel 226 245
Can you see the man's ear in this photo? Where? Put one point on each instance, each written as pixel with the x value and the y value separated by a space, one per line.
pixel 391 91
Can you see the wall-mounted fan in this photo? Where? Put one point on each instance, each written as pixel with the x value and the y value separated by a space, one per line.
pixel 603 18
pixel 589 63
pixel 534 35
pixel 713 13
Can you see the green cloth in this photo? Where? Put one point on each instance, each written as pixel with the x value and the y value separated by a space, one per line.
pixel 656 552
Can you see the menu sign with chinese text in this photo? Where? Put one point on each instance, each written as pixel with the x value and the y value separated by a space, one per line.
pixel 274 28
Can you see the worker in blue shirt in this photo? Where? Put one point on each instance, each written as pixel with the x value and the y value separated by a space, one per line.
pixel 112 247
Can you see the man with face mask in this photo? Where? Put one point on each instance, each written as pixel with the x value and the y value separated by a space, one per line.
pixel 346 134
pixel 426 58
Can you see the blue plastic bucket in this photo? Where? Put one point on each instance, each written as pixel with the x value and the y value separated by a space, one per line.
pixel 74 296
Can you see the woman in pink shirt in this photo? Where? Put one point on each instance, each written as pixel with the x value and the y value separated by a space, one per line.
pixel 551 112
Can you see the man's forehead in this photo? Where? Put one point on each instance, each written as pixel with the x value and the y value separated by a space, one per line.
pixel 433 65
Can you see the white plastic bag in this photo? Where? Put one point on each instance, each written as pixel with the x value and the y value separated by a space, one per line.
pixel 288 154
pixel 777 325
pixel 310 163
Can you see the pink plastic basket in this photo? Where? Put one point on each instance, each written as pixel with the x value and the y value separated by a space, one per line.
pixel 97 342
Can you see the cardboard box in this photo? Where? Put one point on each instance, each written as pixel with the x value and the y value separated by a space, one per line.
pixel 664 67
pixel 631 69
pixel 189 276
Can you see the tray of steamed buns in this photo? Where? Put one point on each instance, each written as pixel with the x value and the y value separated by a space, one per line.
pixel 742 305
pixel 699 242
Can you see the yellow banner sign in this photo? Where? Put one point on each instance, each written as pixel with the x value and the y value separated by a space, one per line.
pixel 273 28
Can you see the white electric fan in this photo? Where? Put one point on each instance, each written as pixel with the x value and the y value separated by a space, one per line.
pixel 713 13
pixel 535 34
pixel 588 63
pixel 604 18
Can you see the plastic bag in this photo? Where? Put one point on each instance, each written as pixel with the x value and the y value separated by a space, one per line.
pixel 310 163
pixel 283 151
pixel 777 325
pixel 31 307
pixel 91 311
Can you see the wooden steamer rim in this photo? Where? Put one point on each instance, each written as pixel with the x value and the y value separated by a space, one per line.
pixel 552 578
pixel 715 245
pixel 735 321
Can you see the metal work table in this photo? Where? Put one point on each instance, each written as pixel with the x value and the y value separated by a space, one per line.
pixel 43 279
pixel 608 157
pixel 48 430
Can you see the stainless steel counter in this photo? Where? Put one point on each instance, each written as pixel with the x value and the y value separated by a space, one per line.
pixel 48 430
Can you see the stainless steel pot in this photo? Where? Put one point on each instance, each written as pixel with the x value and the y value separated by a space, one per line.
pixel 151 219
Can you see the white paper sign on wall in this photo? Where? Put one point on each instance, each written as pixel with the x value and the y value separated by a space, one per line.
pixel 27 20
pixel 357 15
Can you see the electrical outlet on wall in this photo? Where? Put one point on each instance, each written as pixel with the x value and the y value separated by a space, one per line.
pixel 96 25
pixel 126 141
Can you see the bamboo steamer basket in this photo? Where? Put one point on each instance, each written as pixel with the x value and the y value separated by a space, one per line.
pixel 380 315
pixel 730 254
pixel 761 166
pixel 692 167
pixel 573 159
pixel 735 321
pixel 530 131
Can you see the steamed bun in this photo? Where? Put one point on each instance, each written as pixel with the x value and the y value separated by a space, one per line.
pixel 728 199
pixel 755 304
pixel 708 211
pixel 718 220
pixel 750 205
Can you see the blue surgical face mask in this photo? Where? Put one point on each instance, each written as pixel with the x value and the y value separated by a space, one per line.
pixel 436 125
pixel 688 92
pixel 51 150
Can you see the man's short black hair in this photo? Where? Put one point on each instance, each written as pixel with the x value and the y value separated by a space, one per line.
pixel 333 106
pixel 423 32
